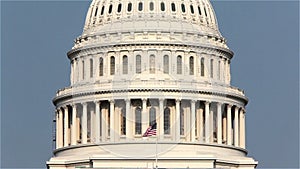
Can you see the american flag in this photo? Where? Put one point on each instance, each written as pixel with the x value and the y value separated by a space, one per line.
pixel 151 131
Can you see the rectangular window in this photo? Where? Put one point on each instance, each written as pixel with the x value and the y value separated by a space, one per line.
pixel 91 68
pixel 138 64
pixel 211 68
pixel 83 70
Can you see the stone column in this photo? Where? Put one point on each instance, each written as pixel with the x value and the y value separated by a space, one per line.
pixel 84 124
pixel 236 127
pixel 74 125
pixel 177 120
pixel 129 120
pixel 219 123
pixel 97 121
pixel 57 132
pixel 207 125
pixel 96 67
pixel 112 120
pixel 66 127
pixel 193 114
pixel 201 125
pixel 242 129
pixel 161 119
pixel 72 72
pixel 224 129
pixel 61 128
pixel 225 71
pixel 229 125
pixel 211 125
pixel 145 116
pixel 104 124
pixel 92 126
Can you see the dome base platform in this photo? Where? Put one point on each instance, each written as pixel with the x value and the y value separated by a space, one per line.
pixel 145 155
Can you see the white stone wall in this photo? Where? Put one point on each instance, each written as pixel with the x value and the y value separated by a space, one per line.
pixel 220 71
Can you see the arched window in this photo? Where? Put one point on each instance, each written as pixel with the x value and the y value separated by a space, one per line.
pixel 129 7
pixel 152 64
pixel 138 120
pixel 183 8
pixel 119 8
pixel 96 11
pixel 101 66
pixel 152 116
pixel 181 122
pixel 110 9
pixel 91 68
pixel 151 6
pixel 173 7
pixel 199 10
pixel 191 65
pixel 123 121
pixel 112 65
pixel 125 65
pixel 211 68
pixel 166 64
pixel 102 10
pixel 179 64
pixel 167 120
pixel 140 6
pixel 202 67
pixel 138 64
pixel 162 6
pixel 83 70
pixel 192 9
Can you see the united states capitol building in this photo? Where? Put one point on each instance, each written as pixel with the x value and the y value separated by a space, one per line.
pixel 139 63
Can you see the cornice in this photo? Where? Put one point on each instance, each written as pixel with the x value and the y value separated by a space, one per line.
pixel 58 99
pixel 96 49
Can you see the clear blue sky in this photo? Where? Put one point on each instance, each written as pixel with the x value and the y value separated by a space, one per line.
pixel 35 37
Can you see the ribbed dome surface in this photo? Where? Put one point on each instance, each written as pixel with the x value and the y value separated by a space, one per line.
pixel 193 15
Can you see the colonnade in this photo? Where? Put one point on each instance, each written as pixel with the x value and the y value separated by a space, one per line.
pixel 194 121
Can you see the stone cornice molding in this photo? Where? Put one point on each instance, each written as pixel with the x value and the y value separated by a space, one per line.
pixel 71 96
pixel 104 48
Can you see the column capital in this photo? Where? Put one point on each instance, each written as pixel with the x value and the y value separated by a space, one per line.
pixel 111 101
pixel 97 101
pixel 127 100
pixel 236 108
pixel 193 101
pixel 161 99
pixel 144 99
pixel 178 100
pixel 65 107
pixel 219 104
pixel 73 105
pixel 83 103
pixel 229 106
pixel 242 110
pixel 207 102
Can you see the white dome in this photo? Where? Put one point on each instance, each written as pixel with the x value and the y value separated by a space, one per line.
pixel 198 14
pixel 157 63
pixel 164 22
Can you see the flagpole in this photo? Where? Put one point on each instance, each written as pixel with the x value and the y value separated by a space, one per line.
pixel 156 152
